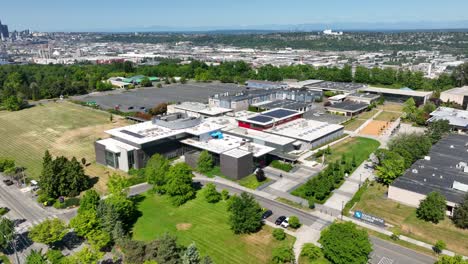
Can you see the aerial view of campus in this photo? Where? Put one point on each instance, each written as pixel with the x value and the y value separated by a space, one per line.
pixel 234 132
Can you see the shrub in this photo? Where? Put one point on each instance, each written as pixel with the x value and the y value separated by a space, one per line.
pixel 395 236
pixel 283 255
pixel 432 208
pixel 225 194
pixel 439 246
pixel 210 193
pixel 59 205
pixel 278 234
pixel 294 222
pixel 281 165
pixel 43 198
pixel 3 210
pixel 311 203
pixel 311 251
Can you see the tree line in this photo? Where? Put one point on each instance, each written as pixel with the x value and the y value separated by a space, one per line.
pixel 35 82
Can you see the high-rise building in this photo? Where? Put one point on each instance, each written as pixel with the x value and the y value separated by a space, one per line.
pixel 4 34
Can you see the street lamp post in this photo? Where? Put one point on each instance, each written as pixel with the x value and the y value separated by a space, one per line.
pixel 342 208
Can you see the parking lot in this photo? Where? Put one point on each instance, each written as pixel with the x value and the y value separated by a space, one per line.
pixel 149 97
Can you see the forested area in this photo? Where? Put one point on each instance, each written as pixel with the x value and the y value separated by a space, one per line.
pixel 34 82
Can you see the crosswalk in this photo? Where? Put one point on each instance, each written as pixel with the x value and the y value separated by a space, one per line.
pixel 386 260
pixel 25 226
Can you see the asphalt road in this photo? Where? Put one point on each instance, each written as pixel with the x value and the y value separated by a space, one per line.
pixel 389 253
pixel 384 251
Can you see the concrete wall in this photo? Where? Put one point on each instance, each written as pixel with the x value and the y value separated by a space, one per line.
pixel 100 151
pixel 191 158
pixel 326 138
pixel 236 168
pixel 457 98
pixel 411 198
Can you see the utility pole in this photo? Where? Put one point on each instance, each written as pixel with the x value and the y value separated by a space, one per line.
pixel 14 248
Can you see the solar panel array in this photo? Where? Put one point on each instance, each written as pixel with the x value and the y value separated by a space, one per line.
pixel 261 119
pixel 279 113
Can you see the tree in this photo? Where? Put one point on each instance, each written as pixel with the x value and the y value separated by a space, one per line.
pixel 85 222
pixel 278 234
pixel 409 108
pixel 245 214
pixel 432 208
pixel 457 259
pixel 283 254
pixel 85 256
pixel 7 229
pixel 191 255
pixel 460 214
pixel 36 257
pixel 55 256
pixel 98 239
pixel 343 243
pixel 391 166
pixel 294 222
pixel 260 175
pixel 179 184
pixel 48 232
pixel 146 82
pixel 210 193
pixel 13 103
pixel 168 251
pixel 205 162
pixel 156 171
pixel 89 201
pixel 225 195
pixel 7 165
pixel 311 251
pixel 439 246
pixel 159 109
pixel 437 129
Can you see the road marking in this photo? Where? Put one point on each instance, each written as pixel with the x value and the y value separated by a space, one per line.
pixel 385 260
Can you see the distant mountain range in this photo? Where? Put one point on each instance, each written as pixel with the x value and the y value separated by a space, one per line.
pixel 338 26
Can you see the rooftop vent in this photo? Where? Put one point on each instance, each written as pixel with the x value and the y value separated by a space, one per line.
pixel 414 171
pixel 425 180
pixel 441 176
pixel 427 157
pixel 451 146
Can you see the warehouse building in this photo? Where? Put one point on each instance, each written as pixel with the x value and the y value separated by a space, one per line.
pixel 337 87
pixel 196 109
pixel 444 170
pixel 399 95
pixel 456 95
pixel 257 84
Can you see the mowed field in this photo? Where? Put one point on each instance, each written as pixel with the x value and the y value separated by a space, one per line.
pixel 207 225
pixel 63 128
pixel 374 201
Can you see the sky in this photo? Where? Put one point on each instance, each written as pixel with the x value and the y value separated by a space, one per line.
pixel 95 15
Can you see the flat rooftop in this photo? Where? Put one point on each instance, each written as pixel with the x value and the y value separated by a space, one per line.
pixel 202 108
pixel 322 116
pixel 441 173
pixel 363 95
pixel 115 145
pixel 260 135
pixel 270 116
pixel 459 90
pixel 145 132
pixel 304 130
pixel 339 86
pixel 348 106
pixel 227 143
pixel 455 117
pixel 396 91
pixel 285 104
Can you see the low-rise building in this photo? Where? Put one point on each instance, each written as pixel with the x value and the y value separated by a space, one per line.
pixel 399 95
pixel 443 170
pixel 456 95
pixel 347 108
pixel 366 98
pixel 458 119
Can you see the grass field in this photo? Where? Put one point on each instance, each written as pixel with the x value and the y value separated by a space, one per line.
pixel 207 225
pixel 360 147
pixel 368 114
pixel 375 202
pixel 387 116
pixel 353 124
pixel 62 128
pixel 251 182
pixel 393 107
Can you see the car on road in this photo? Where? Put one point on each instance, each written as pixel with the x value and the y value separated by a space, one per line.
pixel 267 214
pixel 8 182
pixel 280 220
pixel 285 223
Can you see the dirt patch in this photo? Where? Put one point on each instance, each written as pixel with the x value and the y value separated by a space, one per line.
pixel 183 226
pixel 375 128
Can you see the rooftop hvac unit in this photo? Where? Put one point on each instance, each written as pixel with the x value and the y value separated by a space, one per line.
pixel 427 157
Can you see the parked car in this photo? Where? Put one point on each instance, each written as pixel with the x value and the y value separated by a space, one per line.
pixel 267 214
pixel 280 220
pixel 8 182
pixel 285 223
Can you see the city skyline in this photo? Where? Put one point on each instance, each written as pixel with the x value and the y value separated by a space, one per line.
pixel 147 15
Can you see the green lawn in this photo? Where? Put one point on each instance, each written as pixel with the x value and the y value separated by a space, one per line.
pixel 62 128
pixel 368 114
pixel 375 202
pixel 387 116
pixel 207 225
pixel 360 147
pixel 353 124
pixel 251 182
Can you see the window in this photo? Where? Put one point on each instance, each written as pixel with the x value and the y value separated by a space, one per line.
pixel 110 159
pixel 131 160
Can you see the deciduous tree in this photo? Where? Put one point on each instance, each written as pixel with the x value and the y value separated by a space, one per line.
pixel 432 208
pixel 245 214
